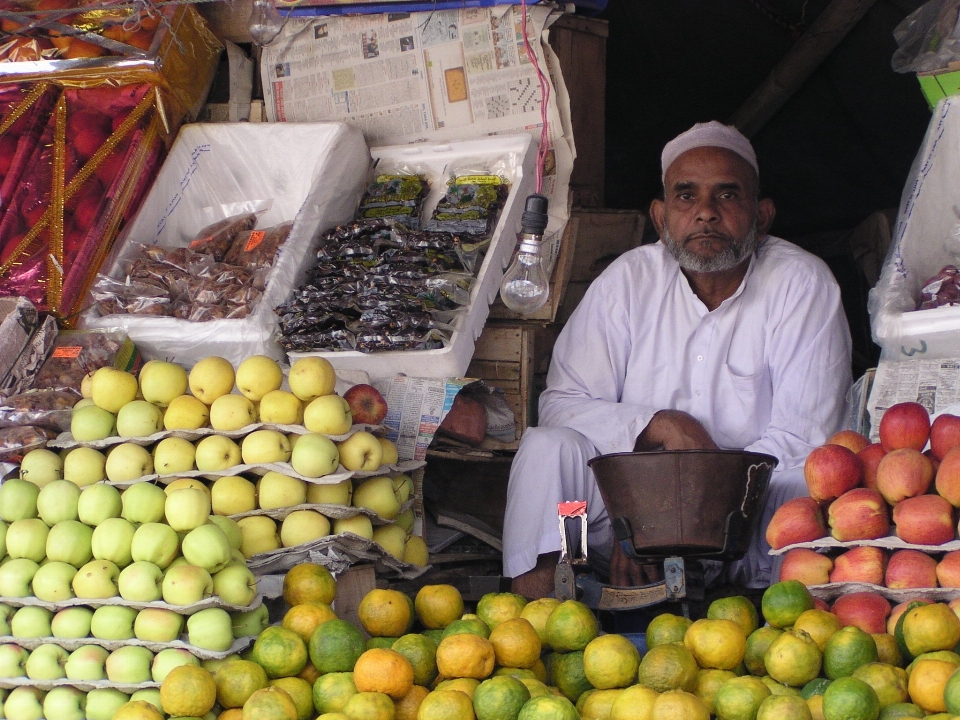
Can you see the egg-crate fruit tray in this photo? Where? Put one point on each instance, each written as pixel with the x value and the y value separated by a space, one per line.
pixel 211 602
pixel 65 441
pixel 71 644
pixel 336 512
pixel 889 542
pixel 84 685
pixel 831 591
pixel 282 468
pixel 337 553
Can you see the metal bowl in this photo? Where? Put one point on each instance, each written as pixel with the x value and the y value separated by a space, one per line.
pixel 687 503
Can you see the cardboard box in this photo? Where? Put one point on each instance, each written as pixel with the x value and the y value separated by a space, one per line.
pixel 938 85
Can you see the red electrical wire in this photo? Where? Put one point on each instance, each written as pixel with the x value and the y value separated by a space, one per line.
pixel 544 98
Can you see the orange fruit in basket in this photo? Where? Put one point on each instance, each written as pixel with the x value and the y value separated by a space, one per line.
pixel 494 608
pixel 309 582
pixel 927 683
pixel 667 628
pixel 465 656
pixel 446 705
pixel 281 652
pixel 784 602
pixel 438 605
pixel 188 690
pixel 385 613
pixel 385 671
pixel 304 618
pixel 300 692
pixel 237 681
pixel 571 626
pixel 515 643
pixel 930 627
pixel 719 644
pixel 270 703
pixel 407 707
pixel 611 661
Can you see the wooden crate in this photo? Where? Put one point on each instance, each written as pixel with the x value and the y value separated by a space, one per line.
pixel 504 357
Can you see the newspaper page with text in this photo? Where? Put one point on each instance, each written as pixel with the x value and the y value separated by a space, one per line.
pixel 935 384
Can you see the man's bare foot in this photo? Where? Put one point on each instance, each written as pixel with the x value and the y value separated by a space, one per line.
pixel 537 583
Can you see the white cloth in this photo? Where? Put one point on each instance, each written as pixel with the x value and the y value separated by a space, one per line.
pixel 767 371
pixel 708 134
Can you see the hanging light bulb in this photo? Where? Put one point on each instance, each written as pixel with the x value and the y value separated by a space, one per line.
pixel 524 288
pixel 265 21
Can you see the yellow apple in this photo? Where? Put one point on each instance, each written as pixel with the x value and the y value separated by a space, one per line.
pixel 281 408
pixel 416 552
pixel 389 449
pixel 360 451
pixel 217 452
pixel 181 483
pixel 358 525
pixel 161 382
pixel 329 415
pixel 258 535
pixel 406 519
pixel 111 389
pixel 312 377
pixel 173 455
pixel 232 412
pixel 258 375
pixel 276 491
pixel 186 412
pixel 391 538
pixel 330 494
pixel 210 378
pixel 232 495
pixel 265 446
pixel 303 526
pixel 377 494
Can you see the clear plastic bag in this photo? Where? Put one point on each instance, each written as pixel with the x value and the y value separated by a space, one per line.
pixel 928 38
pixel 50 409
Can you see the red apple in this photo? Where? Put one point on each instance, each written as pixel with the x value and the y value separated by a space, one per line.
pixel 898 610
pixel 871 456
pixel 862 564
pixel 849 439
pixel 860 514
pixel 367 404
pixel 924 520
pixel 905 425
pixel 796 521
pixel 807 566
pixel 934 462
pixel 948 477
pixel 831 470
pixel 867 610
pixel 944 435
pixel 819 604
pixel 903 474
pixel 948 570
pixel 909 569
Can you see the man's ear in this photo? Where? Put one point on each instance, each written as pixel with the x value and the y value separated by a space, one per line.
pixel 656 215
pixel 766 212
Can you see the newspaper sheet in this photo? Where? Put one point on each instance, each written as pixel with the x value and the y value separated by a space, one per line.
pixel 427 77
pixel 935 384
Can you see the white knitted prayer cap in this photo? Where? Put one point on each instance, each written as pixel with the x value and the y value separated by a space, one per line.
pixel 708 134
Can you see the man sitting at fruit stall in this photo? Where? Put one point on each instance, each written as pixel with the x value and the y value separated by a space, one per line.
pixel 718 336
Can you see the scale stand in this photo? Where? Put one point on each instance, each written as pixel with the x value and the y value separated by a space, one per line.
pixel 572 579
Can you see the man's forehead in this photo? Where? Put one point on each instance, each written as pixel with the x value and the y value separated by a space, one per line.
pixel 709 166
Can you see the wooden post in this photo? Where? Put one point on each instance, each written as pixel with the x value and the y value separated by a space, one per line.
pixel 351 588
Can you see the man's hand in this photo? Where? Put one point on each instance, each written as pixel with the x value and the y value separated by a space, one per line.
pixel 674 430
pixel 624 572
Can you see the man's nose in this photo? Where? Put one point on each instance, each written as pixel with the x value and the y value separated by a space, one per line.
pixel 707 210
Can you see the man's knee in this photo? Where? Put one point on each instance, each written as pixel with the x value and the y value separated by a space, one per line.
pixel 554 440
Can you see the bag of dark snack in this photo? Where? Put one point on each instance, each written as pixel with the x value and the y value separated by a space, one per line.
pixel 79 352
pixel 256 249
pixel 15 442
pixel 49 409
pixel 217 239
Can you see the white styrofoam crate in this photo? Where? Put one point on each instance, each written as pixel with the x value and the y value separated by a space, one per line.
pixel 435 160
pixel 311 173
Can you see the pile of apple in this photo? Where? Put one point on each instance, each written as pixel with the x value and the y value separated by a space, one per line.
pixel 857 488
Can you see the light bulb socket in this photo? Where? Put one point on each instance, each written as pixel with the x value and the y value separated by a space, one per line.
pixel 529 244
pixel 534 218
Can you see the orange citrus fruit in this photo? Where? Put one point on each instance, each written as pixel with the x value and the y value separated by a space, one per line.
pixel 304 618
pixel 384 671
pixel 465 656
pixel 385 613
pixel 309 582
pixel 281 652
pixel 188 690
pixel 515 643
pixel 438 605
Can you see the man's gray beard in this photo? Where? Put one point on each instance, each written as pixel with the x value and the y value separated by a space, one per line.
pixel 731 256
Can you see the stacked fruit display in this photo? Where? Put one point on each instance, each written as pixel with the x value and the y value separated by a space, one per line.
pixel 857 488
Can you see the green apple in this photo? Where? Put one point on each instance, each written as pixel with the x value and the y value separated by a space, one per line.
pixel 65 703
pixel 113 622
pixel 41 466
pixel 210 629
pixel 232 495
pixel 112 540
pixel 53 581
pixel 16 576
pixel 303 526
pixel 281 408
pixel 24 703
pixel 169 658
pixel 185 412
pixel 27 539
pixel 406 520
pixel 83 402
pixel 12 661
pixel 161 382
pixel 210 378
pixel 58 501
pixel 311 377
pixel 315 455
pixel 157 543
pixel 97 580
pixel 84 466
pixel 208 547
pixel 103 703
pixel 416 552
pixel 6 615
pixel 258 375
pixel 330 493
pixel 276 490
pixel 139 419
pixel 18 500
pixel 87 662
pixel 111 389
pixel 392 538
pixel 70 542
pixel 232 412
pixel 128 461
pixel 129 665
pixel 361 451
pixel 71 623
pixel 158 625
pixel 235 584
pixel 217 452
pixel 98 503
pixel 46 663
pixel 3 539
pixel 213 664
pixel 186 585
pixel 140 582
pixel 259 535
pixel 143 503
pixel 358 525
pixel 328 414
pixel 265 446
pixel 230 528
pixel 389 448
pixel 31 621
pixel 173 455
pixel 91 423
pixel 250 623
pixel 187 508
pixel 377 494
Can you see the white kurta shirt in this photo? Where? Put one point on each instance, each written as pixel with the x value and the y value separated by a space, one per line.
pixel 767 371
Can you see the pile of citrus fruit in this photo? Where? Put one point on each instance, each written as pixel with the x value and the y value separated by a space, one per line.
pixel 547 660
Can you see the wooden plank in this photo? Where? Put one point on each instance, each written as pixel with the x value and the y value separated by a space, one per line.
pixel 494 370
pixel 602 236
pixel 499 342
pixel 352 586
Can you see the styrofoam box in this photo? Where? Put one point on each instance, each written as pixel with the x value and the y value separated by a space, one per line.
pixel 311 173
pixel 436 160
pixel 926 238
